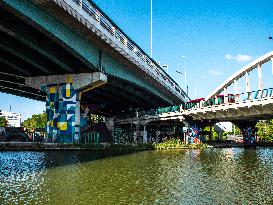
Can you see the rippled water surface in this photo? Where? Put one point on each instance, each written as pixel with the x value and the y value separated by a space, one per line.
pixel 212 176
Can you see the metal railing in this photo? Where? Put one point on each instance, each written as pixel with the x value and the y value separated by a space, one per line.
pixel 217 101
pixel 93 11
pixel 230 99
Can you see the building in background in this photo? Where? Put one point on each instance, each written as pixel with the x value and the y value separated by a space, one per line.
pixel 225 126
pixel 14 119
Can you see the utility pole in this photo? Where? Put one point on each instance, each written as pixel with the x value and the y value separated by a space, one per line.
pixel 185 75
pixel 151 28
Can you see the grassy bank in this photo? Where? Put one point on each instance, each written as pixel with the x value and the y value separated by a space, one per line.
pixel 169 144
pixel 178 144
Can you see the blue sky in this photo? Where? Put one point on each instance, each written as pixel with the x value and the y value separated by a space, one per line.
pixel 216 37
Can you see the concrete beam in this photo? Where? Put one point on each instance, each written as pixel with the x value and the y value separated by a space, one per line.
pixel 82 81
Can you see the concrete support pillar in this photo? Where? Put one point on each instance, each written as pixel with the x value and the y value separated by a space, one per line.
pixel 236 92
pixel 247 83
pixel 137 113
pixel 110 124
pixel 157 134
pixel 137 133
pixel 235 87
pixel 225 95
pixel 272 65
pixel 63 101
pixel 248 129
pixel 260 77
pixel 216 100
pixel 63 113
pixel 144 134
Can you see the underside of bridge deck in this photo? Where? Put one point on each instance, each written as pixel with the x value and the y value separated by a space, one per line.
pixel 26 50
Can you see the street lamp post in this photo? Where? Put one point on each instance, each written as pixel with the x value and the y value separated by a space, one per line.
pixel 151 28
pixel 187 87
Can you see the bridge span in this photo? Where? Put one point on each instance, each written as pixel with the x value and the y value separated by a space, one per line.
pixel 243 109
pixel 70 54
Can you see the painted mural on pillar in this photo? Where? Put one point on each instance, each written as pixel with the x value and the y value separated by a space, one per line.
pixel 194 135
pixel 63 113
pixel 249 135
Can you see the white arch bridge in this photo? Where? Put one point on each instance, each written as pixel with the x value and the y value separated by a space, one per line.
pixel 221 105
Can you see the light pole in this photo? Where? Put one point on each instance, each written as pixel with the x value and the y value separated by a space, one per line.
pixel 187 87
pixel 151 28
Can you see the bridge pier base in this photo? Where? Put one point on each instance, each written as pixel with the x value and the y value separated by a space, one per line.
pixel 248 130
pixel 63 93
pixel 145 140
pixel 63 113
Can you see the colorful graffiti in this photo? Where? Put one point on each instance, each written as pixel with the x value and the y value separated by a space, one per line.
pixel 249 135
pixel 194 135
pixel 63 113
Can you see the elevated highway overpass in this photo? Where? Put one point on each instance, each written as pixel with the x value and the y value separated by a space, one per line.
pixel 70 54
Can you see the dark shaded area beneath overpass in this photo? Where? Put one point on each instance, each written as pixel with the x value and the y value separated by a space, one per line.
pixel 26 50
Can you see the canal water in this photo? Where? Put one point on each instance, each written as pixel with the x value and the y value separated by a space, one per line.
pixel 211 176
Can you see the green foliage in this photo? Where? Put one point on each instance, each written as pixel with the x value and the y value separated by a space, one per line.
pixel 178 144
pixel 265 130
pixel 235 130
pixel 36 121
pixel 3 122
pixel 214 133
pixel 117 147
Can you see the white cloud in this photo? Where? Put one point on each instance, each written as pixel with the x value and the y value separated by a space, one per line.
pixel 214 72
pixel 238 58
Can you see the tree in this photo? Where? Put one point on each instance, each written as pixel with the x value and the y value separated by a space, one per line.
pixel 265 130
pixel 3 122
pixel 36 121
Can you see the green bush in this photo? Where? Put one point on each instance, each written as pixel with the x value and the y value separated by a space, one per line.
pixel 178 144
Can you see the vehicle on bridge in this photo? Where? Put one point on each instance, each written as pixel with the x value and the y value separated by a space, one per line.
pixel 220 99
pixel 194 103
pixel 200 102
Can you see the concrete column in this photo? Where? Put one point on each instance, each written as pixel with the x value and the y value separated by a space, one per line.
pixel 272 65
pixel 236 92
pixel 144 134
pixel 260 77
pixel 216 100
pixel 236 87
pixel 247 83
pixel 63 113
pixel 157 135
pixel 137 113
pixel 110 124
pixel 225 95
pixel 63 101
pixel 137 132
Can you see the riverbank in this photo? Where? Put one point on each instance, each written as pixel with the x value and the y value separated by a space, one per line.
pixel 60 146
pixel 238 144
pixel 35 146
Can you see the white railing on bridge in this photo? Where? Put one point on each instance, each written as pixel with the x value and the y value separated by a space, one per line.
pixel 94 12
pixel 248 97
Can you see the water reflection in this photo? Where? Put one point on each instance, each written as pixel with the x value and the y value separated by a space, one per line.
pixel 212 176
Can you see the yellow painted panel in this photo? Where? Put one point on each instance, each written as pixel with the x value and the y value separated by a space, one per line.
pixel 52 89
pixel 67 93
pixel 63 126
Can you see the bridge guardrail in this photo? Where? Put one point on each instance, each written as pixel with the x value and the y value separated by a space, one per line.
pixel 231 99
pixel 93 11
